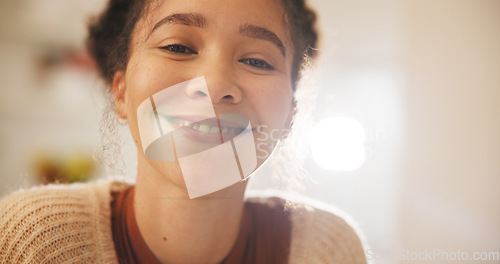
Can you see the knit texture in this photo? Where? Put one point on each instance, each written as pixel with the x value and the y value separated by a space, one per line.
pixel 72 224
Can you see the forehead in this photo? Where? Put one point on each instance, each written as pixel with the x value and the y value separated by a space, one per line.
pixel 226 15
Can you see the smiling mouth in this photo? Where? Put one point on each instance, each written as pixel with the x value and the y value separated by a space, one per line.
pixel 208 130
pixel 205 126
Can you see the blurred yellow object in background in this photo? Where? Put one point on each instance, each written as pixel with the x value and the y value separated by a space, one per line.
pixel 76 167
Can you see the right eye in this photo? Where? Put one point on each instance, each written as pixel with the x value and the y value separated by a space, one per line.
pixel 178 48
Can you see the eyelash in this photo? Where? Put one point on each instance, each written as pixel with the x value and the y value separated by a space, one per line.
pixel 175 49
pixel 182 49
pixel 263 64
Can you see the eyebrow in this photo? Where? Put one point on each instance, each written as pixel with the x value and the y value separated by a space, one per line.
pixel 199 20
pixel 187 19
pixel 256 32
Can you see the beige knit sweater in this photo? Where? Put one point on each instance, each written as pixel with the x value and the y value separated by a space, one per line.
pixel 71 224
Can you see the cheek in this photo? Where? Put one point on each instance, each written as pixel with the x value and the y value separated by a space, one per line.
pixel 148 75
pixel 145 79
pixel 271 100
pixel 272 104
pixel 142 80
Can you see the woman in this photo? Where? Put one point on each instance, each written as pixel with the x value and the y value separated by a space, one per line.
pixel 207 89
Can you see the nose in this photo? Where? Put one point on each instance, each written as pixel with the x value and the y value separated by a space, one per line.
pixel 221 88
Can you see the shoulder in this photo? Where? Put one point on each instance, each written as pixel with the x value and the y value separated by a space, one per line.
pixel 57 223
pixel 320 233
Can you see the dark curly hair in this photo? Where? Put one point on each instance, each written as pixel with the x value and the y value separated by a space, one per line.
pixel 110 34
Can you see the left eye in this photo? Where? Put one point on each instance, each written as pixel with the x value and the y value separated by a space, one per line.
pixel 257 64
pixel 177 48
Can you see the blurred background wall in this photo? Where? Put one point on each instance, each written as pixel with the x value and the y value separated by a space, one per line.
pixel 451 196
pixel 419 79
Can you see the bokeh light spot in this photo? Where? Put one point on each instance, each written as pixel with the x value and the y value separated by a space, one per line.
pixel 337 144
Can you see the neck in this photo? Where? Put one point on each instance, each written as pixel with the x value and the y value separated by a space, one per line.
pixel 182 230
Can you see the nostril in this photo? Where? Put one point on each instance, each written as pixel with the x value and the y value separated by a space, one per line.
pixel 228 97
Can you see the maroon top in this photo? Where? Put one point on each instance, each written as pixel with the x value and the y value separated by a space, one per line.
pixel 264 235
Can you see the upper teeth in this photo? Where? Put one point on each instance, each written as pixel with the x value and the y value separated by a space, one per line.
pixel 183 122
pixel 207 128
pixel 204 128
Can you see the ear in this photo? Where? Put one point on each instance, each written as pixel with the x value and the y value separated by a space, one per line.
pixel 119 90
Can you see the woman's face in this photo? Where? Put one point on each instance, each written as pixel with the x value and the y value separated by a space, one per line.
pixel 240 47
